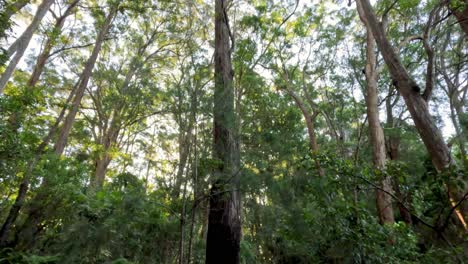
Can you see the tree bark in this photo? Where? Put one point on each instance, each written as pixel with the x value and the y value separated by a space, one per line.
pixel 224 224
pixel 21 44
pixel 42 58
pixel 82 84
pixel 417 106
pixel 383 198
pixel 408 88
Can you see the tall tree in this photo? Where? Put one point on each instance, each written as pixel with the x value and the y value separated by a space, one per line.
pixel 383 198
pixel 224 224
pixel 21 44
pixel 83 82
pixel 411 93
pixel 50 42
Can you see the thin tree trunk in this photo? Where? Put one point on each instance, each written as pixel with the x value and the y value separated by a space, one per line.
pixel 430 134
pixel 21 44
pixel 183 156
pixel 460 135
pixel 383 198
pixel 182 225
pixel 309 119
pixel 224 223
pixel 82 84
pixel 417 106
pixel 42 58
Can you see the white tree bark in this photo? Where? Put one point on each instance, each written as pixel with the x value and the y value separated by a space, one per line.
pixel 21 44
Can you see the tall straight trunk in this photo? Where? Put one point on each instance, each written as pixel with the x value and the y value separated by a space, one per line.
pixel 82 84
pixel 184 149
pixel 383 198
pixel 224 224
pixel 21 44
pixel 417 106
pixel 183 220
pixel 42 58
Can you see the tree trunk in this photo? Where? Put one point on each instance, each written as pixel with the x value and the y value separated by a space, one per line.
pixel 430 134
pixel 21 44
pixel 101 168
pixel 309 119
pixel 408 88
pixel 42 58
pixel 383 198
pixel 82 84
pixel 184 149
pixel 224 224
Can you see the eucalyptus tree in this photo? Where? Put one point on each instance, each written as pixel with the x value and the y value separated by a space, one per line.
pixel 450 64
pixel 383 198
pixel 415 101
pixel 133 101
pixel 19 46
pixel 75 98
pixel 224 224
pixel 51 41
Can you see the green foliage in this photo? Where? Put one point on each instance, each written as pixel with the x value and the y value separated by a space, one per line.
pixel 148 108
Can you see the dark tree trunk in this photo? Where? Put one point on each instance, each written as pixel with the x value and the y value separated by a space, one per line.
pixel 224 225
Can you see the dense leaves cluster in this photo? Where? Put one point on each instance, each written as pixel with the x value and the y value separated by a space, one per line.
pixel 132 184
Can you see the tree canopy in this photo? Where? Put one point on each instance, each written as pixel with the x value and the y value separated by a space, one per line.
pixel 233 131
